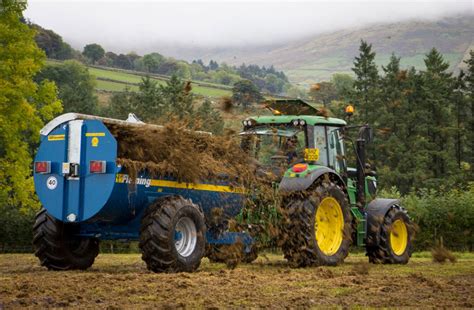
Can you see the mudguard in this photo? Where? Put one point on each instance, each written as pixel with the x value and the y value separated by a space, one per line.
pixel 376 211
pixel 295 184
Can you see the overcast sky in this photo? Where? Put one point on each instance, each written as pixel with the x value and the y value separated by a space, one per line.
pixel 125 26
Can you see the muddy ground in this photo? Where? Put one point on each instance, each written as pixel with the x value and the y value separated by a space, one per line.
pixel 122 281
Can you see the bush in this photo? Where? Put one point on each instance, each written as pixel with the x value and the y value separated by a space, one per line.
pixel 441 214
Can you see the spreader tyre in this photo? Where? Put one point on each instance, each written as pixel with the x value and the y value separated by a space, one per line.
pixel 318 226
pixel 395 243
pixel 56 246
pixel 172 235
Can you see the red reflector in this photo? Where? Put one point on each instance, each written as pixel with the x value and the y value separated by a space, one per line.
pixel 43 167
pixel 97 166
pixel 299 168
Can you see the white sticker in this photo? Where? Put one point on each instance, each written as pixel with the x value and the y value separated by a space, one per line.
pixel 52 182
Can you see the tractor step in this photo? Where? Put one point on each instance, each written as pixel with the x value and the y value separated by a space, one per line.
pixel 361 225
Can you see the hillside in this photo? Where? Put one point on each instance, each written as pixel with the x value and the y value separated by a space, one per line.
pixel 317 58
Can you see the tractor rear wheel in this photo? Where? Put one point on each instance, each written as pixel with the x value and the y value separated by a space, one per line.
pixel 56 246
pixel 318 225
pixel 395 241
pixel 172 235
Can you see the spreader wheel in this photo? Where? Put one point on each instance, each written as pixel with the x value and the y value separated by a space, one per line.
pixel 172 235
pixel 58 248
pixel 395 242
pixel 317 229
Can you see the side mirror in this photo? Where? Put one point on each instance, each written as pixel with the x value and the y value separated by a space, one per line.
pixel 367 133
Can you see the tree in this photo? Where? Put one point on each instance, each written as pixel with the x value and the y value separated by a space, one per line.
pixel 75 85
pixel 213 65
pixel 469 89
pixel 178 97
pixel 24 106
pixel 344 84
pixel 151 62
pixel 93 52
pixel 52 43
pixel 210 119
pixel 245 93
pixel 365 84
pixel 439 129
pixel 324 92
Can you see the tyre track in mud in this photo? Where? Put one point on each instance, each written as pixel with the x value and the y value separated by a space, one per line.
pixel 122 281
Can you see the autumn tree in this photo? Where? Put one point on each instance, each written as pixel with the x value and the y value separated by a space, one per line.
pixel 24 105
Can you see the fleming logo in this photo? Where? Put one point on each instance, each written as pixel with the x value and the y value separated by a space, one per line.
pixel 124 178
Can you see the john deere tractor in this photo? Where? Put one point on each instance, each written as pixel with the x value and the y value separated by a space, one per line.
pixel 327 205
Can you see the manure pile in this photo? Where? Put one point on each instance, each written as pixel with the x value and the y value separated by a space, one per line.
pixel 186 155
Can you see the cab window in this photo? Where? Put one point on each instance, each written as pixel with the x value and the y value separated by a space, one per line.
pixel 336 150
pixel 321 145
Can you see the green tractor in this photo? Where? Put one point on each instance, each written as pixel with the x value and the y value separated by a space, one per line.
pixel 327 205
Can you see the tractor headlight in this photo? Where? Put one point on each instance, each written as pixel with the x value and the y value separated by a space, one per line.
pixel 246 123
pixel 302 122
pixel 295 122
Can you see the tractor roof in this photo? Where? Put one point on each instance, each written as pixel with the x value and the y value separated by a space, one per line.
pixel 285 119
pixel 286 110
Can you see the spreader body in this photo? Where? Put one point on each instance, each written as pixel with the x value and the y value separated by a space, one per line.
pixel 78 180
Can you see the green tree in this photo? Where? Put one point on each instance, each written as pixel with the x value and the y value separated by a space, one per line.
pixel 365 84
pixel 469 90
pixel 323 92
pixel 245 93
pixel 344 84
pixel 178 97
pixel 397 130
pixel 52 43
pixel 24 105
pixel 93 52
pixel 210 118
pixel 151 62
pixel 438 117
pixel 75 84
pixel 120 105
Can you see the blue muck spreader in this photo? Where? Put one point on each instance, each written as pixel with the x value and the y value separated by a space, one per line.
pixel 87 196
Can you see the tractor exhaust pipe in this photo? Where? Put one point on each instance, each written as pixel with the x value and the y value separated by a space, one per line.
pixel 361 172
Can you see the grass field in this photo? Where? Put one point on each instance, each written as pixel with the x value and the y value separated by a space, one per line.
pixel 122 281
pixel 117 80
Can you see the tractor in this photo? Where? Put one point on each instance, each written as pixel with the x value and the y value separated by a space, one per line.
pixel 328 206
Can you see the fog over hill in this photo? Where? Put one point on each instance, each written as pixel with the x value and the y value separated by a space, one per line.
pixel 308 40
pixel 316 58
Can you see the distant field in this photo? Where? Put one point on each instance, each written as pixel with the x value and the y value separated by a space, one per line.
pixel 323 68
pixel 123 282
pixel 117 80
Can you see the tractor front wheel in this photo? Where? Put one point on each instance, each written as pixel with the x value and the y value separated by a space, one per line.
pixel 58 248
pixel 172 235
pixel 317 229
pixel 395 239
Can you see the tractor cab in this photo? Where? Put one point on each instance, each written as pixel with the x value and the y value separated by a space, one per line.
pixel 285 143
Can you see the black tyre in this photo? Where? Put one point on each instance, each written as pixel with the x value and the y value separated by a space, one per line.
pixel 395 239
pixel 56 246
pixel 172 235
pixel 318 226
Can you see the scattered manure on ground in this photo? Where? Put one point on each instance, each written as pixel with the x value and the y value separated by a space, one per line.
pixel 441 254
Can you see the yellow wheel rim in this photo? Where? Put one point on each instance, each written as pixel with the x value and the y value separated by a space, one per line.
pixel 329 226
pixel 399 237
